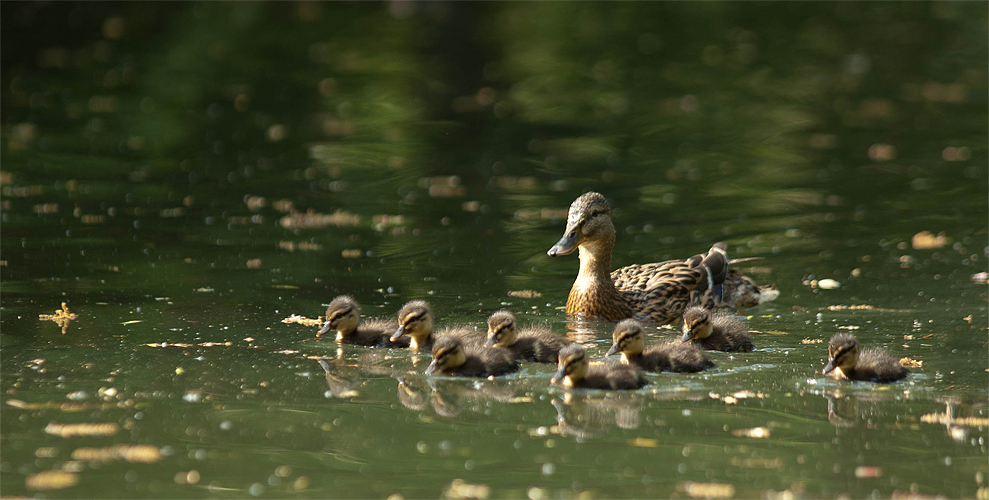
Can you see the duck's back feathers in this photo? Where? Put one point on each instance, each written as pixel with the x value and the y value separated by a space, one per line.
pixel 485 362
pixel 876 366
pixel 374 333
pixel 673 357
pixel 612 375
pixel 541 346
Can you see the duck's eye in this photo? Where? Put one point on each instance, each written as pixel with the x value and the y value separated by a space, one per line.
pixel 594 213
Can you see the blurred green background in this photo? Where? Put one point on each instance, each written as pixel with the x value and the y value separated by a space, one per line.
pixel 194 173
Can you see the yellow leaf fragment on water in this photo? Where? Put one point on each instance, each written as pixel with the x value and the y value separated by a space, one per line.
pixel 132 322
pixel 755 432
pixel 285 287
pixel 911 363
pixel 179 370
pixel 204 290
pixel 925 240
pixel 520 399
pixel 707 490
pixel 811 341
pixel 868 471
pixel 644 442
pixel 70 430
pixel 142 454
pixel 302 320
pixel 51 480
pixel 524 294
pixel 459 489
pixel 945 419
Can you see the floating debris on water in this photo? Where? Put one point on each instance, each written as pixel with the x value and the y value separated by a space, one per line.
pixel 302 320
pixel 945 419
pixel 142 454
pixel 926 240
pixel 459 489
pixel 71 430
pixel 62 317
pixel 312 219
pixel 911 363
pixel 811 341
pixel 51 480
pixel 524 294
pixel 755 432
pixel 707 490
pixel 184 345
pixel 868 471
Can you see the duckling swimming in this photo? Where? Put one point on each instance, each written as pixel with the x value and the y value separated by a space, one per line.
pixel 450 357
pixel 715 331
pixel 344 316
pixel 658 291
pixel 533 343
pixel 415 319
pixel 576 372
pixel 846 362
pixel 629 339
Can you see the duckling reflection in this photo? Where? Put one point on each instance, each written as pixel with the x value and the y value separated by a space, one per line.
pixel 415 320
pixel 343 315
pixel 629 339
pixel 450 397
pixel 532 343
pixel 575 371
pixel 847 362
pixel 842 411
pixel 339 387
pixel 583 415
pixel 412 394
pixel 718 331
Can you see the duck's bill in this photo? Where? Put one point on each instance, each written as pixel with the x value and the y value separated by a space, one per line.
pixel 828 368
pixel 567 244
pixel 558 376
pixel 398 334
pixel 687 335
pixel 491 341
pixel 324 330
pixel 432 368
pixel 614 348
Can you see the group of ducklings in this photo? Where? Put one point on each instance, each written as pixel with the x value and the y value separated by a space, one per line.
pixel 701 290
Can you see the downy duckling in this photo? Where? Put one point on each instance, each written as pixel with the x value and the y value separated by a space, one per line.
pixel 344 316
pixel 450 357
pixel 846 362
pixel 415 319
pixel 715 331
pixel 576 372
pixel 629 339
pixel 658 291
pixel 533 343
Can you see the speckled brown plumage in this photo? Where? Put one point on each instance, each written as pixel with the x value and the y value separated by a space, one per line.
pixel 741 291
pixel 847 362
pixel 451 357
pixel 658 291
pixel 629 339
pixel 716 331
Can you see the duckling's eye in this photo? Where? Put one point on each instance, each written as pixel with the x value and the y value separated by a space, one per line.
pixel 594 213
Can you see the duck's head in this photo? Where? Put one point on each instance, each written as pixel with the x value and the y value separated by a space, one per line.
pixel 342 315
pixel 415 319
pixel 448 353
pixel 629 339
pixel 572 365
pixel 502 331
pixel 843 353
pixel 696 324
pixel 588 224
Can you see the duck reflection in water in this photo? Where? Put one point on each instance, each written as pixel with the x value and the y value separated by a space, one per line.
pixel 339 387
pixel 584 415
pixel 449 397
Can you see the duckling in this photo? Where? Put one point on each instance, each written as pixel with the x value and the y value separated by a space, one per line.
pixel 741 292
pixel 415 319
pixel 658 291
pixel 629 338
pixel 576 372
pixel 846 362
pixel 533 343
pixel 450 357
pixel 715 331
pixel 344 316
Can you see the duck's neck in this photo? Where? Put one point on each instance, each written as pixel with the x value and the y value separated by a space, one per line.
pixel 593 292
pixel 629 359
pixel 421 343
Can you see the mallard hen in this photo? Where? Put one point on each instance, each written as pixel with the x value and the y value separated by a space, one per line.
pixel 658 292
